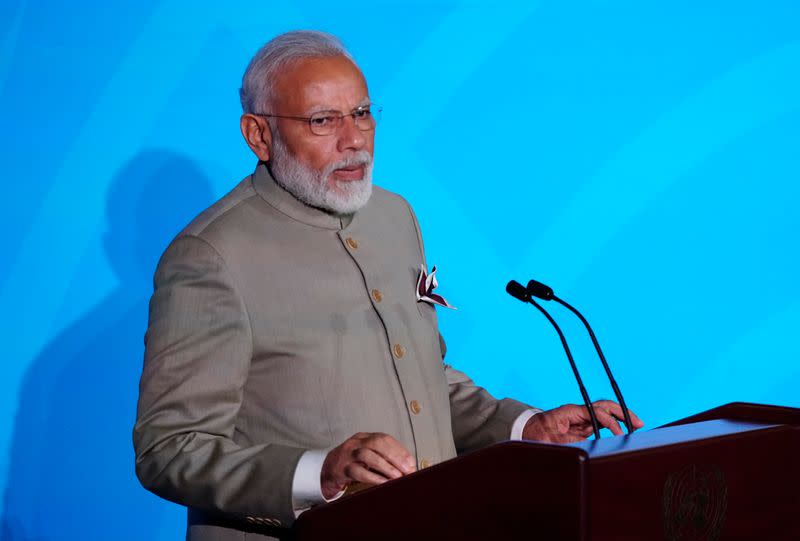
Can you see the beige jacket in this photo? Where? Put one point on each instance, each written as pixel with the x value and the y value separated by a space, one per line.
pixel 276 328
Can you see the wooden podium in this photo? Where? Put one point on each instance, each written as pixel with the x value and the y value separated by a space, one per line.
pixel 728 473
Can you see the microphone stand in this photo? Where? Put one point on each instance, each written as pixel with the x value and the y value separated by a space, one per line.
pixel 611 379
pixel 542 291
pixel 518 291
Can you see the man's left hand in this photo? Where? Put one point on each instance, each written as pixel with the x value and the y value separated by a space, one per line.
pixel 571 423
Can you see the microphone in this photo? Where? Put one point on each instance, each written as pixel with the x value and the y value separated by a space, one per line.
pixel 538 289
pixel 541 291
pixel 520 292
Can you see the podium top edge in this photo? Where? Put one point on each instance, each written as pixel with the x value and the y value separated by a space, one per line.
pixel 667 436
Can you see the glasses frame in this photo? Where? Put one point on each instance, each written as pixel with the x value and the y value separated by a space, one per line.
pixel 371 108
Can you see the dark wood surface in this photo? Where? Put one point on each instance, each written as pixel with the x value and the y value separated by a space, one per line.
pixel 728 473
pixel 463 498
pixel 736 485
pixel 747 411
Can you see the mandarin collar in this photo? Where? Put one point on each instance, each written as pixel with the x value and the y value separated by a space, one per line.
pixel 276 196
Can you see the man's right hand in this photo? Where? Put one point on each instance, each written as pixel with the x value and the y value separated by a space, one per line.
pixel 369 458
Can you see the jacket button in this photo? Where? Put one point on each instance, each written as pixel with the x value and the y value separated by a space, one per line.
pixel 352 243
pixel 399 351
pixel 415 407
pixel 424 464
pixel 377 295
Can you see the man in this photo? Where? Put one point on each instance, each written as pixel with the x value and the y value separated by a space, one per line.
pixel 287 354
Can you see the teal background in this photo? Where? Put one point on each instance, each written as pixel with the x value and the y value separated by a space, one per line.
pixel 640 157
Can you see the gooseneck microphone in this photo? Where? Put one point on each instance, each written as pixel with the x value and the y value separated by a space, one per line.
pixel 541 291
pixel 518 291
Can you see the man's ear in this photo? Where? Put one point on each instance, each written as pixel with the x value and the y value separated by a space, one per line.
pixel 257 134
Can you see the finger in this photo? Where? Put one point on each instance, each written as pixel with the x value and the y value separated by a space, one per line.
pixel 571 410
pixel 358 473
pixel 611 407
pixel 580 414
pixel 582 429
pixel 582 423
pixel 573 423
pixel 616 410
pixel 638 423
pixel 608 421
pixel 376 463
pixel 568 416
pixel 568 413
pixel 393 451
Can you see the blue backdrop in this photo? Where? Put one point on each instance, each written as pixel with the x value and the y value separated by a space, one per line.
pixel 640 157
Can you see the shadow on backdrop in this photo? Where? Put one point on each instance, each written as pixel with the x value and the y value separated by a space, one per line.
pixel 72 465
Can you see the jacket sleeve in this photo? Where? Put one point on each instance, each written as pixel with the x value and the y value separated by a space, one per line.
pixel 478 419
pixel 198 349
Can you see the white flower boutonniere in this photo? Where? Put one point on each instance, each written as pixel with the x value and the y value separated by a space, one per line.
pixel 426 283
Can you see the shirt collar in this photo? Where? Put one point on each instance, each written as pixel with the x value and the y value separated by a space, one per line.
pixel 277 197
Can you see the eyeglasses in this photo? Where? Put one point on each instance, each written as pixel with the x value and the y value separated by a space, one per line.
pixel 328 122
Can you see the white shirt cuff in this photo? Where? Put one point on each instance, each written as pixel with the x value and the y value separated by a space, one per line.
pixel 521 421
pixel 306 484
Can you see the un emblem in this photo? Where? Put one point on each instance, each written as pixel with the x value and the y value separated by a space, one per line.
pixel 694 503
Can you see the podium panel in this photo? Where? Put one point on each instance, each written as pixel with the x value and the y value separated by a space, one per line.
pixel 729 473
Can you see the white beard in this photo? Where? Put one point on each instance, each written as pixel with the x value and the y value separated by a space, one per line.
pixel 312 187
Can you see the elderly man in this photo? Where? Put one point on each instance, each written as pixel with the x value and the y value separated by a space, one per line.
pixel 288 354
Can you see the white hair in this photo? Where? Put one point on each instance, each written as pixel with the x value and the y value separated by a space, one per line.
pixel 259 77
pixel 318 188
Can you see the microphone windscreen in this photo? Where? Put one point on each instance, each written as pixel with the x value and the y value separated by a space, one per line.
pixel 538 289
pixel 518 291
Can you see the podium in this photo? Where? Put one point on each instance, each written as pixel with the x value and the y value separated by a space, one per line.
pixel 728 473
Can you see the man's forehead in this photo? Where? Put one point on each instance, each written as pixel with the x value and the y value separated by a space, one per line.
pixel 321 83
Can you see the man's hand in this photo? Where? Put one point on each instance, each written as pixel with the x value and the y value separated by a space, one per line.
pixel 369 458
pixel 572 423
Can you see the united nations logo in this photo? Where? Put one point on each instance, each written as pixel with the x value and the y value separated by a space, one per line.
pixel 694 503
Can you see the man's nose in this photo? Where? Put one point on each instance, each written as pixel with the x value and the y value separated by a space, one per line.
pixel 350 137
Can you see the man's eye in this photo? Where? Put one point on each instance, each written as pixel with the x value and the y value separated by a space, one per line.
pixel 322 120
pixel 362 113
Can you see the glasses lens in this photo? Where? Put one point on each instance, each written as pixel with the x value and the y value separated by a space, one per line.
pixel 367 118
pixel 324 123
pixel 327 122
